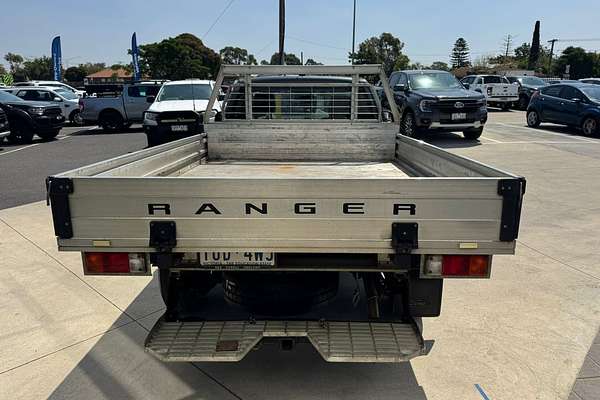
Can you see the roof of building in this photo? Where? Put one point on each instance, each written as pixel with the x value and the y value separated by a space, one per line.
pixel 109 73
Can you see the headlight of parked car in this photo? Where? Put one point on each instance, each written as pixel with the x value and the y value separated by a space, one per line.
pixel 150 116
pixel 36 110
pixel 425 105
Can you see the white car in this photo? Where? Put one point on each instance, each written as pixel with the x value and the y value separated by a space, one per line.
pixel 177 110
pixel 67 100
pixel 54 84
pixel 498 91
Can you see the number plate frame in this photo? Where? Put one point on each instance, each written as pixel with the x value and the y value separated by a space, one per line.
pixel 458 116
pixel 179 128
pixel 237 259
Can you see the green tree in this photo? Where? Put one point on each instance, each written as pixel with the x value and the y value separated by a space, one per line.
pixel 460 54
pixel 251 60
pixel 39 68
pixel 439 65
pixel 582 64
pixel 264 62
pixel 234 55
pixel 92 68
pixel 290 59
pixel 7 79
pixel 385 49
pixel 75 74
pixel 181 57
pixel 310 61
pixel 14 62
pixel 534 53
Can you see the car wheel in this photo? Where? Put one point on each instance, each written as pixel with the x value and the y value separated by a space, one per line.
pixel 408 126
pixel 75 118
pixel 153 140
pixel 111 121
pixel 473 134
pixel 533 119
pixel 49 134
pixel 590 126
pixel 523 102
pixel 20 132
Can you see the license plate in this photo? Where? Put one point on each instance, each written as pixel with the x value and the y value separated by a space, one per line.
pixel 235 258
pixel 457 116
pixel 179 128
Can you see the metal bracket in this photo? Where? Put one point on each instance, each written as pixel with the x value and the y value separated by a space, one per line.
pixel 57 195
pixel 405 238
pixel 163 235
pixel 512 191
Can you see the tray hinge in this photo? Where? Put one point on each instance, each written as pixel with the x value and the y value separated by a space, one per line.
pixel 57 195
pixel 405 238
pixel 163 235
pixel 512 191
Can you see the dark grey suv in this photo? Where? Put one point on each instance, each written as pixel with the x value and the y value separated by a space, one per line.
pixel 430 100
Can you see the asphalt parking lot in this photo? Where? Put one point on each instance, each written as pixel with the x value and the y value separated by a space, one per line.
pixel 524 334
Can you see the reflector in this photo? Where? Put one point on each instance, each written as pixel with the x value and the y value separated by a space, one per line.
pixel 103 263
pixel 465 266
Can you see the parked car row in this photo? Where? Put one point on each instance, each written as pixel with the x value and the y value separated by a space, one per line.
pixel 63 98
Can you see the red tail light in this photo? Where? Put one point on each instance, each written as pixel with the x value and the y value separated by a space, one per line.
pixel 114 263
pixel 465 266
pixel 535 94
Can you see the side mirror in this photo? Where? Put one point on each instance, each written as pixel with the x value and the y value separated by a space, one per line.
pixel 467 85
pixel 57 99
pixel 150 99
pixel 400 87
pixel 221 97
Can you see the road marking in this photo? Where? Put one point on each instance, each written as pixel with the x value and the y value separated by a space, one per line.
pixel 19 149
pixel 490 139
pixel 481 392
pixel 549 133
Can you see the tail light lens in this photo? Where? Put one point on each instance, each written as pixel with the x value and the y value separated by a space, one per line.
pixel 81 106
pixel 114 263
pixel 535 94
pixel 458 266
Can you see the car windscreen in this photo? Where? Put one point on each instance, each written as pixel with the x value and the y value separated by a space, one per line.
pixel 529 80
pixel 185 92
pixel 7 97
pixel 433 80
pixel 67 94
pixel 592 92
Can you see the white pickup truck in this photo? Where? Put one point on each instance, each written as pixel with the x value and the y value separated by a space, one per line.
pixel 300 216
pixel 498 91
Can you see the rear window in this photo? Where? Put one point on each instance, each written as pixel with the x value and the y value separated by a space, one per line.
pixel 494 79
pixel 301 102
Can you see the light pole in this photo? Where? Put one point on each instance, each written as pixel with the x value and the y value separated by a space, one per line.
pixel 353 31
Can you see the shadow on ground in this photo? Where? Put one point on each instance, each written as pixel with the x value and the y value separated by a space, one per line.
pixel 116 367
pixel 450 140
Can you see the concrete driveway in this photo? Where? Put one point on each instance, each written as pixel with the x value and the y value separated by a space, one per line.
pixel 524 334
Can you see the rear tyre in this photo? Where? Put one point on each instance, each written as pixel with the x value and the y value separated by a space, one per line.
pixel 48 135
pixel 533 119
pixel 408 125
pixel 473 134
pixel 111 121
pixel 153 140
pixel 20 132
pixel 590 126
pixel 277 293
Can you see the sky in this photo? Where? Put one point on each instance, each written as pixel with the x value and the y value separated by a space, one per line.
pixel 100 31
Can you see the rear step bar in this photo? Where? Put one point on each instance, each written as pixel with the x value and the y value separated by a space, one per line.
pixel 336 341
